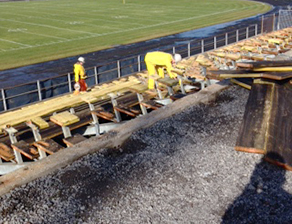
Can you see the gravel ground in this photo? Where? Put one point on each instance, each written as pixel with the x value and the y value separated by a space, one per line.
pixel 183 169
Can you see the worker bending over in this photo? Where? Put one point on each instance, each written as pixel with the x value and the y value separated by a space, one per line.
pixel 80 74
pixel 156 62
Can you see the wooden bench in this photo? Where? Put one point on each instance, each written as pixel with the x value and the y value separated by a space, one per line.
pixel 71 141
pixel 64 119
pixel 25 149
pixel 126 103
pixel 49 146
pixel 6 152
pixel 104 114
pixel 168 82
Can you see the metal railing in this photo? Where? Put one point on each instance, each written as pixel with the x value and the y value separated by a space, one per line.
pixel 17 96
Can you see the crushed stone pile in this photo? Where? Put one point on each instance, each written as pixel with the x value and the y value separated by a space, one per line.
pixel 183 169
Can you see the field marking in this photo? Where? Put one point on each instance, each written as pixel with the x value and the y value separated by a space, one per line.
pixel 24 30
pixel 47 26
pixel 64 22
pixel 132 29
pixel 87 18
pixel 10 41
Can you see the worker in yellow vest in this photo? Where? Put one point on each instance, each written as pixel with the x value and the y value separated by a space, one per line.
pixel 80 75
pixel 157 61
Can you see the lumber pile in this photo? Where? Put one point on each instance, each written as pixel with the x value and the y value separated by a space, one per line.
pixel 267 123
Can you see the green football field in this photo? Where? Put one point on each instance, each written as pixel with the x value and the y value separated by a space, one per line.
pixel 38 31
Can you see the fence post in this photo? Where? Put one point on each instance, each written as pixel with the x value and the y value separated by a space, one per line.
pixel 39 90
pixel 274 22
pixel 119 68
pixel 189 49
pixel 95 75
pixel 4 100
pixel 256 29
pixel 247 33
pixel 202 46
pixel 226 39
pixel 215 42
pixel 262 28
pixel 139 63
pixel 69 82
pixel 173 49
pixel 237 35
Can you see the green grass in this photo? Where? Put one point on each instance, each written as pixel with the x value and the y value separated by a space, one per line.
pixel 38 31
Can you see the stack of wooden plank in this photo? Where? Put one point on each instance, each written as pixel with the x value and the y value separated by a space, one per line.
pixel 267 121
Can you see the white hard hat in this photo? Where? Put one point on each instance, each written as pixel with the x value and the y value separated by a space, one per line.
pixel 81 59
pixel 177 58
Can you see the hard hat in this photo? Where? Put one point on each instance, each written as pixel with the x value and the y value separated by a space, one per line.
pixel 81 59
pixel 177 58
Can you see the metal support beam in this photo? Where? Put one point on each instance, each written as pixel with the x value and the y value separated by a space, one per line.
pixel 11 132
pixel 95 120
pixel 66 132
pixel 117 113
pixel 37 137
pixel 180 78
pixel 158 90
pixel 143 108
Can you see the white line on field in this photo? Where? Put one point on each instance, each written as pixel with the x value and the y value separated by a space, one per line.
pixel 28 46
pixel 36 34
pixel 132 29
pixel 48 26
pixel 61 21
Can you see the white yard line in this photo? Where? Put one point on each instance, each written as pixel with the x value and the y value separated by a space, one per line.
pixel 81 17
pixel 48 26
pixel 36 34
pixel 61 21
pixel 13 42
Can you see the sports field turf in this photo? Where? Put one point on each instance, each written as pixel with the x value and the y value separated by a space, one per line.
pixel 38 31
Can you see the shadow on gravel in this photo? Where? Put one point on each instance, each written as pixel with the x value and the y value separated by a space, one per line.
pixel 263 200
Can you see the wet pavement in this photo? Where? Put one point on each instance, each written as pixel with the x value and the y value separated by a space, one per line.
pixel 17 76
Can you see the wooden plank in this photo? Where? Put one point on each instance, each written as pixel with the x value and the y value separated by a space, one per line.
pixel 25 149
pixel 105 115
pixel 6 152
pixel 127 100
pixel 73 140
pixel 167 81
pixel 41 123
pixel 64 119
pixel 125 111
pixel 151 104
pixel 252 133
pixel 49 146
pixel 261 64
pixel 240 83
pixel 267 122
pixel 250 74
pixel 139 88
pixel 274 69
pixel 279 134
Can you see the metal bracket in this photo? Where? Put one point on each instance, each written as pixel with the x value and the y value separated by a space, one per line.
pixel 11 132
pixel 117 113
pixel 95 120
pixel 37 137
pixel 143 108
